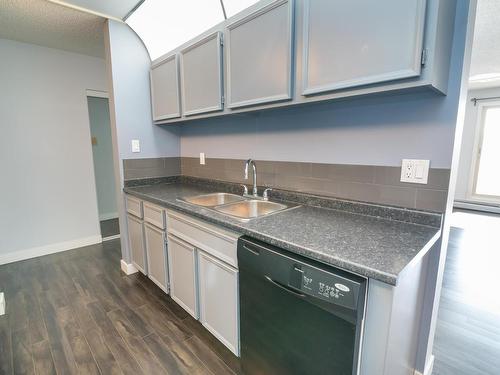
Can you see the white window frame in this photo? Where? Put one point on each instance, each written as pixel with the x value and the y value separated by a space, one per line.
pixel 478 141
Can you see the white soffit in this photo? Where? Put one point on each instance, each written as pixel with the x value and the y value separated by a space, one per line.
pixel 485 64
pixel 116 9
pixel 47 24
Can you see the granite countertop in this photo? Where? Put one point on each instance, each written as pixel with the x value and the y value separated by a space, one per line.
pixel 374 247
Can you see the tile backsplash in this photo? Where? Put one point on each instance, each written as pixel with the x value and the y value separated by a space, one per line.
pixel 368 183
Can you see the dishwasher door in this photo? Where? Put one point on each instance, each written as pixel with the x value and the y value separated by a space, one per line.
pixel 297 316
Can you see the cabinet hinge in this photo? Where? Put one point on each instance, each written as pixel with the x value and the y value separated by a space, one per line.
pixel 223 100
pixel 423 59
pixel 222 39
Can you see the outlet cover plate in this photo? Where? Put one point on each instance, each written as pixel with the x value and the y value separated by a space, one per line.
pixel 136 145
pixel 415 171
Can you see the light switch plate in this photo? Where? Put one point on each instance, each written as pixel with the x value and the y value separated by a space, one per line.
pixel 202 158
pixel 136 145
pixel 415 171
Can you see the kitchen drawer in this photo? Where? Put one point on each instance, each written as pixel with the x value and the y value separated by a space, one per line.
pixel 134 206
pixel 216 241
pixel 154 214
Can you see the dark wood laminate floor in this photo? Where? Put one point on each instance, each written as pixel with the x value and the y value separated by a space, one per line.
pixel 75 312
pixel 468 329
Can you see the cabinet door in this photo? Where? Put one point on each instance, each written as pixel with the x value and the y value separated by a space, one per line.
pixel 359 42
pixel 183 278
pixel 157 256
pixel 136 243
pixel 259 55
pixel 218 284
pixel 201 76
pixel 165 95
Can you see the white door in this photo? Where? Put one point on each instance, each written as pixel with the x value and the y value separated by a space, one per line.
pixel 485 182
pixel 157 256
pixel 183 278
pixel 218 285
pixel 359 42
pixel 136 243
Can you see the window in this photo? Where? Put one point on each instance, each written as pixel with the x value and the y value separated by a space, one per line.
pixel 486 183
pixel 164 25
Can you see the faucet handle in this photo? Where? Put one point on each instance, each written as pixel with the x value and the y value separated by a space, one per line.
pixel 265 194
pixel 245 189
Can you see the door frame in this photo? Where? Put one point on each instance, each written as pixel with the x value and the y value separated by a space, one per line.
pixel 476 153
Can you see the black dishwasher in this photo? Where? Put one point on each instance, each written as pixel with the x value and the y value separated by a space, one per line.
pixel 297 316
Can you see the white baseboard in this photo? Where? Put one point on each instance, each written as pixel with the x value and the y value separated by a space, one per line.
pixel 112 215
pixel 128 269
pixel 35 252
pixel 428 368
pixel 109 238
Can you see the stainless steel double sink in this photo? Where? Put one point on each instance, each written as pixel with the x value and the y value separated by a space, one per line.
pixel 237 206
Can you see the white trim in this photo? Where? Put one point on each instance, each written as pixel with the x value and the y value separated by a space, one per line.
pixel 86 10
pixel 478 140
pixel 428 368
pixel 476 206
pixel 127 268
pixel 39 251
pixel 108 216
pixel 97 94
pixel 110 238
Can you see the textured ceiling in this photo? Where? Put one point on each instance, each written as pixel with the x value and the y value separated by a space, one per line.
pixel 47 24
pixel 486 45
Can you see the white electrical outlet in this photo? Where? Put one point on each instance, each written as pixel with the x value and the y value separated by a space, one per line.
pixel 415 171
pixel 202 158
pixel 136 145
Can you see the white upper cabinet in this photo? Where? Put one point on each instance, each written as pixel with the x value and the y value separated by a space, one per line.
pixel 259 56
pixel 360 42
pixel 165 89
pixel 201 75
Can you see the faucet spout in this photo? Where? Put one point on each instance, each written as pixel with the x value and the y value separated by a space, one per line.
pixel 254 175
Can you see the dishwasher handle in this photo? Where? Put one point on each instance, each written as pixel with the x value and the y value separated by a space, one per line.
pixel 285 288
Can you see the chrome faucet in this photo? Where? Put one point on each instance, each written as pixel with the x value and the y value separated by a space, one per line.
pixel 248 162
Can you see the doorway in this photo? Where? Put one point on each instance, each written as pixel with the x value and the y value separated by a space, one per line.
pixel 102 152
pixel 485 183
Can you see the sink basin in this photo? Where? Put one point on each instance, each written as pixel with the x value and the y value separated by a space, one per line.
pixel 213 199
pixel 250 209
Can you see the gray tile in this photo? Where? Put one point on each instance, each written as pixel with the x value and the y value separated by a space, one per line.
pixel 144 173
pixel 292 168
pixel 143 163
pixel 173 166
pixel 432 200
pixel 391 195
pixel 343 172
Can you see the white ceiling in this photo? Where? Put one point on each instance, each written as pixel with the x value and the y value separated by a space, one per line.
pixel 110 8
pixel 47 24
pixel 486 44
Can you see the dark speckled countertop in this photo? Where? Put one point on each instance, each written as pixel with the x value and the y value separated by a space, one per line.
pixel 374 247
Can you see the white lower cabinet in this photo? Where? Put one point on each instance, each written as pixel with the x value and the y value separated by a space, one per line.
pixel 156 256
pixel 218 287
pixel 183 274
pixel 136 243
